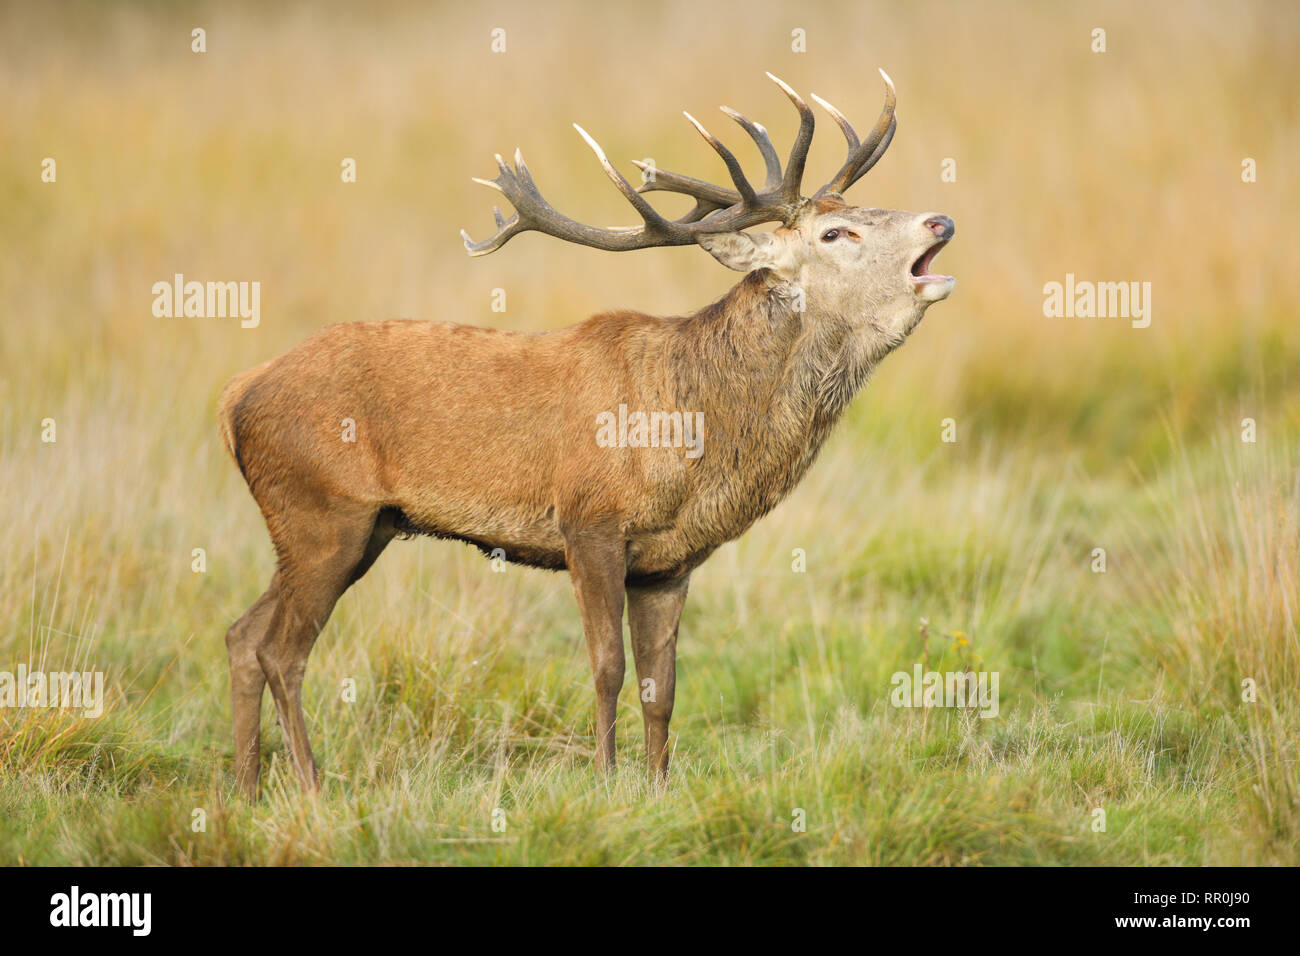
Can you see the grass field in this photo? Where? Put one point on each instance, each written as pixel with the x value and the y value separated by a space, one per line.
pixel 1120 691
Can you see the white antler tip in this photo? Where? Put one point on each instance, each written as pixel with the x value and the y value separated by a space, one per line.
pixel 888 82
pixel 838 116
pixel 595 146
pixel 782 83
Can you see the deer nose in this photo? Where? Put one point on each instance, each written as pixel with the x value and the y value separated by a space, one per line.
pixel 941 226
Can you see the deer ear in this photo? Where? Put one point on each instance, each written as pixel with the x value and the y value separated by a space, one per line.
pixel 745 253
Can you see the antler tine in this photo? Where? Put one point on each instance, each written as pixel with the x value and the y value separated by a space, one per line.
pixel 803 139
pixel 877 152
pixel 849 133
pixel 746 191
pixel 699 189
pixel 665 181
pixel 764 143
pixel 862 155
pixel 698 212
pixel 533 212
pixel 652 218
pixel 506 228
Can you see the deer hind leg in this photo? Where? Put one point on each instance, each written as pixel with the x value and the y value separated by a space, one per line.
pixel 597 561
pixel 653 613
pixel 247 682
pixel 321 554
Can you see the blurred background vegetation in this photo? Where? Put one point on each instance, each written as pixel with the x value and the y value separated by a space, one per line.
pixel 1120 691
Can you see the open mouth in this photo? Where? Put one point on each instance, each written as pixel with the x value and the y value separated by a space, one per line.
pixel 921 274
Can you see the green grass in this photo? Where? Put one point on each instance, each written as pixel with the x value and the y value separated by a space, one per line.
pixel 1118 692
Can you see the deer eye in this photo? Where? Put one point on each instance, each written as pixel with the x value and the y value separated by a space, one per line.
pixel 830 235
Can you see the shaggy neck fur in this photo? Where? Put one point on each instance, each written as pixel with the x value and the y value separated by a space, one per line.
pixel 771 382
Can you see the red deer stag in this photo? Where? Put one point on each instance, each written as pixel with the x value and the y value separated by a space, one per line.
pixel 533 468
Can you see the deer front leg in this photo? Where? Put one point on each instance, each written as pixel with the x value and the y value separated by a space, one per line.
pixel 653 613
pixel 597 564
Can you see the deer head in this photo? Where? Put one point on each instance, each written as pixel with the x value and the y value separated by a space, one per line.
pixel 870 267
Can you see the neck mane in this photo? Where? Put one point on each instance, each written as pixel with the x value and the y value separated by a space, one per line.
pixel 771 381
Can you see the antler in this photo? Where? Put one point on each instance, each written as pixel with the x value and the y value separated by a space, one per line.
pixel 716 209
pixel 862 156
